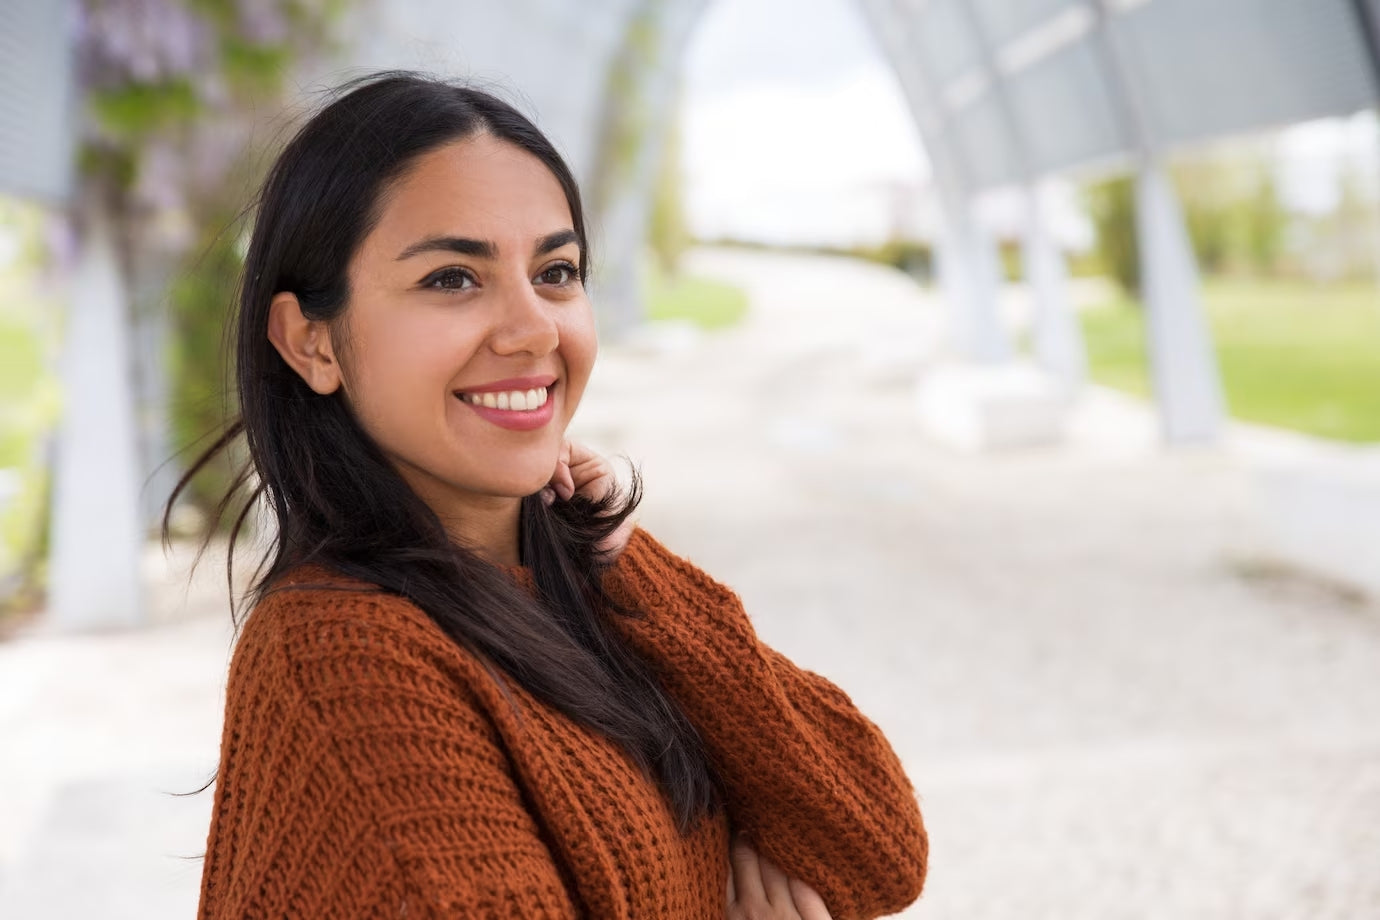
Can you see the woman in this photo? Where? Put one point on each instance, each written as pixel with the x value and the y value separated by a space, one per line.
pixel 469 684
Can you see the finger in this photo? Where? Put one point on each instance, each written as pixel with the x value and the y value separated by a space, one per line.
pixel 548 495
pixel 775 882
pixel 564 482
pixel 587 466
pixel 808 903
pixel 747 876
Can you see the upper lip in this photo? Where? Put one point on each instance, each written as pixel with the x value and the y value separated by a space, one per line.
pixel 511 383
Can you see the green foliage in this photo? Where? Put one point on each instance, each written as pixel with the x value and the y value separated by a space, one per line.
pixel 708 304
pixel 137 116
pixel 201 298
pixel 1235 218
pixel 1292 354
pixel 134 110
pixel 914 257
pixel 29 406
pixel 1011 259
pixel 1266 228
pixel 252 68
pixel 21 363
pixel 1343 244
pixel 1112 206
pixel 1236 221
pixel 24 534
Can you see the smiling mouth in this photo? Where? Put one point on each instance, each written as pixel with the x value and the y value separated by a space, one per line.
pixel 510 400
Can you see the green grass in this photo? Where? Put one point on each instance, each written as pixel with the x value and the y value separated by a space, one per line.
pixel 708 304
pixel 1292 354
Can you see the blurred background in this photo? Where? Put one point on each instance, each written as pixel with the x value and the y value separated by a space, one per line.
pixel 1018 361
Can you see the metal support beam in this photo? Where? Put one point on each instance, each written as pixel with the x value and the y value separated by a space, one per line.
pixel 636 127
pixel 1188 388
pixel 969 268
pixel 1368 18
pixel 94 568
pixel 1182 362
pixel 1057 338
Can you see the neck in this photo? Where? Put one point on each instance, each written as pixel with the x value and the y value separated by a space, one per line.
pixel 488 526
pixel 484 524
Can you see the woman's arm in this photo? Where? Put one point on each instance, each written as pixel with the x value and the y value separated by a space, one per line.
pixel 358 780
pixel 811 782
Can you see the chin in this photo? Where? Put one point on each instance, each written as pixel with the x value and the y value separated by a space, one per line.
pixel 518 485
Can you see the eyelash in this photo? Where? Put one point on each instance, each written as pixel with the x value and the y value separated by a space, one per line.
pixel 441 280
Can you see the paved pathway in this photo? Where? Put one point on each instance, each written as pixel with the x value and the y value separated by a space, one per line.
pixel 1108 709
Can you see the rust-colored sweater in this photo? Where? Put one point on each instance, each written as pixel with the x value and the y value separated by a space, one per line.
pixel 370 767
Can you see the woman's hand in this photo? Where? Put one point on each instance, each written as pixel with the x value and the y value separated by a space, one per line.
pixel 581 471
pixel 759 890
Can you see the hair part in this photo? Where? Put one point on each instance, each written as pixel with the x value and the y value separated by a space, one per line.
pixel 336 501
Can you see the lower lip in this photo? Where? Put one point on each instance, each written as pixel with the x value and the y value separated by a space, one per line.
pixel 516 419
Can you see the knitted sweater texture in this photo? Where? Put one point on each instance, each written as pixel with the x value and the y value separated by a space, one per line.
pixel 370 767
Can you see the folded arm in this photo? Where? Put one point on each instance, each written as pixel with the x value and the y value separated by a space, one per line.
pixel 811 781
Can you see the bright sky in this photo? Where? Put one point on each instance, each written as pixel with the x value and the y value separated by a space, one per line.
pixel 1312 158
pixel 794 129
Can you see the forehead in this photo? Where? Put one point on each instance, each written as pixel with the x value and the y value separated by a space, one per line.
pixel 481 187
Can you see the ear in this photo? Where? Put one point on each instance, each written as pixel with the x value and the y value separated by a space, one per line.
pixel 305 344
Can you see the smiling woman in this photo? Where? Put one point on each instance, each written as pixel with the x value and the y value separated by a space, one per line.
pixel 469 684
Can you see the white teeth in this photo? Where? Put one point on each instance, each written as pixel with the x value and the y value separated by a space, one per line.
pixel 515 400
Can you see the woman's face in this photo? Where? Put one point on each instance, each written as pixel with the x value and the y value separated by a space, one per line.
pixel 468 337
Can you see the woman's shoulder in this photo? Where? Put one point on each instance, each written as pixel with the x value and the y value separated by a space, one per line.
pixel 318 624
pixel 322 601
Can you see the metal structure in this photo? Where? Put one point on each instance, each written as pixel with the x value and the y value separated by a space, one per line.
pixel 97 527
pixel 1004 92
pixel 1016 90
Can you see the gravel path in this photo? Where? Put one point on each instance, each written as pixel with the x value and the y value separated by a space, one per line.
pixel 1108 708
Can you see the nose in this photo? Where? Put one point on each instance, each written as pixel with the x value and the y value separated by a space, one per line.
pixel 525 323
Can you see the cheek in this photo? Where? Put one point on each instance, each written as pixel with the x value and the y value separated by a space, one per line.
pixel 580 346
pixel 401 367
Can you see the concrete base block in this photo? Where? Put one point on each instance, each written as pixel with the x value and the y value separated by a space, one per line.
pixel 1323 515
pixel 977 407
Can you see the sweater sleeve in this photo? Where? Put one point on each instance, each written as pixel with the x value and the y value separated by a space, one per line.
pixel 811 782
pixel 360 778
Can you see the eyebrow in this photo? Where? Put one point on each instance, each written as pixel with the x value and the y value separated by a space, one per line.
pixel 483 249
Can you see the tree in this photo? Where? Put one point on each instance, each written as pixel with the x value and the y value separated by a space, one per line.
pixel 172 90
pixel 1112 206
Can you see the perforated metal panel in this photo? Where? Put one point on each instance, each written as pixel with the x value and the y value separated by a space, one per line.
pixel 989 151
pixel 1199 69
pixel 1065 111
pixel 947 44
pixel 36 136
pixel 1005 20
pixel 1207 69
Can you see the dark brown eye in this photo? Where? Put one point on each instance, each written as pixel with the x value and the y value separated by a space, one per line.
pixel 558 275
pixel 448 279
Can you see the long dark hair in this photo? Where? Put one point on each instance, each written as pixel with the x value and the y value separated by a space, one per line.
pixel 337 502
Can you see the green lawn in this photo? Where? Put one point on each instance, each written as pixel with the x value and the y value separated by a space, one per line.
pixel 1292 354
pixel 708 304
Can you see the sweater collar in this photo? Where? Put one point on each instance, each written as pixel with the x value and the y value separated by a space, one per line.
pixel 315 573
